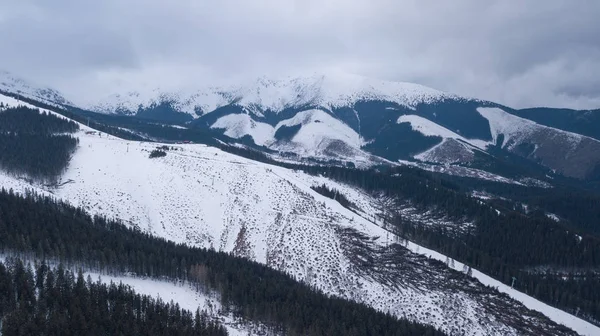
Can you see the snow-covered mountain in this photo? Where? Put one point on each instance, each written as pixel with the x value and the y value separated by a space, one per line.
pixel 362 121
pixel 203 196
pixel 13 84
pixel 273 95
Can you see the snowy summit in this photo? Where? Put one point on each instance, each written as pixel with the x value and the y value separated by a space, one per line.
pixel 274 95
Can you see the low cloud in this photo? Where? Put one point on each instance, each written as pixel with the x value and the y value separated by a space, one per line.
pixel 518 53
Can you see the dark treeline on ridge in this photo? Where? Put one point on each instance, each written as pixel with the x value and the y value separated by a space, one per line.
pixel 35 144
pixel 335 195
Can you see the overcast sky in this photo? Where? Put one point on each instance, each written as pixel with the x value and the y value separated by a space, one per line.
pixel 521 53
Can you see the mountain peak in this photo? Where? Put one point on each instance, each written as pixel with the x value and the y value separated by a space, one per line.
pixel 328 90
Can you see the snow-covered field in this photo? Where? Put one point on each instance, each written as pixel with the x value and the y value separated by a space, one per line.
pixel 202 196
pixel 516 128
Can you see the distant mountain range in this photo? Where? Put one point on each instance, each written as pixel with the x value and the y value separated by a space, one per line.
pixel 363 121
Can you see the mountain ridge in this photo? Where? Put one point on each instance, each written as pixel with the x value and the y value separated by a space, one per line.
pixel 273 95
pixel 363 121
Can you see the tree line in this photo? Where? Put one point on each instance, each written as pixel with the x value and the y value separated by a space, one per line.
pixel 35 144
pixel 335 195
pixel 46 301
pixel 503 245
pixel 43 228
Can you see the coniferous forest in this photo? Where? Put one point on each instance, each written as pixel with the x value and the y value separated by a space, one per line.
pixel 35 144
pixel 47 301
pixel 548 260
pixel 39 227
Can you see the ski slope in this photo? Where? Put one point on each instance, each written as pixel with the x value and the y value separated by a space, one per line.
pixel 203 196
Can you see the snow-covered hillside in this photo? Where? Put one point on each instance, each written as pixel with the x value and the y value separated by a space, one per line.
pixel 571 154
pixel 454 148
pixel 12 84
pixel 180 292
pixel 319 135
pixel 205 197
pixel 429 128
pixel 269 94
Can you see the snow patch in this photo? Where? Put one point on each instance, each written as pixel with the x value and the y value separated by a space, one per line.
pixel 516 129
pixel 429 128
pixel 318 130
pixel 239 125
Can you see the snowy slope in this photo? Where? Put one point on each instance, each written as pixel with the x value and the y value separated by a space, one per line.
pixel 185 295
pixel 318 131
pixel 270 94
pixel 516 129
pixel 12 84
pixel 429 128
pixel 205 197
pixel 12 102
pixel 571 154
pixel 237 126
pixel 454 148
pixel 320 135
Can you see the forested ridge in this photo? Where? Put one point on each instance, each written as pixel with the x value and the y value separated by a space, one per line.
pixel 42 228
pixel 123 134
pixel 35 144
pixel 506 245
pixel 46 301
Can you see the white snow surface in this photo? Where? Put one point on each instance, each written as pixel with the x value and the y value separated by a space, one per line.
pixel 271 94
pixel 318 132
pixel 238 125
pixel 12 102
pixel 553 217
pixel 516 128
pixel 202 196
pixel 580 326
pixel 182 293
pixel 16 85
pixel 430 128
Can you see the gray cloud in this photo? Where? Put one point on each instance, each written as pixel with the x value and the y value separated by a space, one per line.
pixel 520 53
